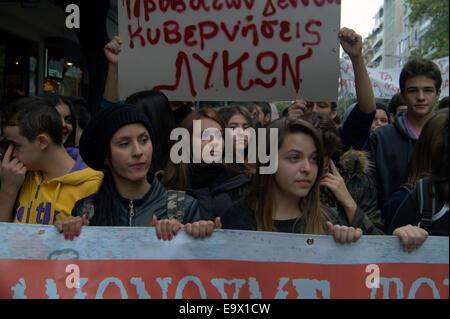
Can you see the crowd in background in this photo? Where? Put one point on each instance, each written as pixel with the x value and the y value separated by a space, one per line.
pixel 378 170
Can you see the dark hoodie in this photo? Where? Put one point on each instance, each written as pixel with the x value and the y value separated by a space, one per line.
pixel 389 149
pixel 217 188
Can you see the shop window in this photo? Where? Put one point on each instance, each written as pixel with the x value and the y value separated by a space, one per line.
pixel 72 80
pixel 18 67
pixel 63 76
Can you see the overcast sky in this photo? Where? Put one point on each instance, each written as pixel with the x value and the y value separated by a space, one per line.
pixel 358 15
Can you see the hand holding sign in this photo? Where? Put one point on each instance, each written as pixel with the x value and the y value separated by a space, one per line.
pixel 344 234
pixel 166 228
pixel 71 226
pixel 299 108
pixel 411 237
pixel 351 42
pixel 203 228
pixel 112 50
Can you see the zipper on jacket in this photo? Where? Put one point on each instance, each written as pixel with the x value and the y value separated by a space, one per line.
pixel 131 212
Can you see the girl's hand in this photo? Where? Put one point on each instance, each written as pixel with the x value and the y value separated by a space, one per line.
pixel 203 228
pixel 71 226
pixel 344 234
pixel 411 237
pixel 166 228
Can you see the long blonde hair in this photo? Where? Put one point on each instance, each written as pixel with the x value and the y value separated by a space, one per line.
pixel 261 196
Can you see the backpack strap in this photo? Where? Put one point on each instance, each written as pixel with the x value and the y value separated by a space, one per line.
pixel 175 205
pixel 406 187
pixel 427 205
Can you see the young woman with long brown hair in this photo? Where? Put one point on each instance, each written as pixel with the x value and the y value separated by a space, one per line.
pixel 216 185
pixel 289 200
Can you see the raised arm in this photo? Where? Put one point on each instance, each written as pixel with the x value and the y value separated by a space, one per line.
pixel 352 44
pixel 112 50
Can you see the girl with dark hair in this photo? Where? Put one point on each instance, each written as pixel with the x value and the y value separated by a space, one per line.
pixel 425 209
pixel 153 103
pixel 237 117
pixel 419 166
pixel 118 140
pixel 289 200
pixel 68 116
pixel 155 106
pixel 81 109
pixel 215 185
pixel 381 117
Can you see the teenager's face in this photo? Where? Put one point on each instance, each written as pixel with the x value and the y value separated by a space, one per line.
pixel 239 121
pixel 215 141
pixel 66 116
pixel 420 95
pixel 131 153
pixel 261 116
pixel 323 108
pixel 25 151
pixel 380 119
pixel 297 165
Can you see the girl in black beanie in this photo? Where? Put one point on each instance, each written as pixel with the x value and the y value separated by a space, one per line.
pixel 118 141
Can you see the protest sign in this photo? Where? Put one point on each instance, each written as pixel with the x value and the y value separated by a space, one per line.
pixel 385 83
pixel 121 262
pixel 222 50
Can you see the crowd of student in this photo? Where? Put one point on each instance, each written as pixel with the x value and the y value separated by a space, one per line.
pixel 381 171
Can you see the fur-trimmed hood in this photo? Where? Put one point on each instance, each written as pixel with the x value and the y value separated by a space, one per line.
pixel 355 163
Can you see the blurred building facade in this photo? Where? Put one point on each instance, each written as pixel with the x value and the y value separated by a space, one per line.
pixel 393 38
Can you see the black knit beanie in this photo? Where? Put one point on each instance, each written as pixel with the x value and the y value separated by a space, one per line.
pixel 94 142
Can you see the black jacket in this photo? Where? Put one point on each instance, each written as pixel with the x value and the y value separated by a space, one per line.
pixel 217 190
pixel 140 212
pixel 354 167
pixel 390 148
pixel 409 213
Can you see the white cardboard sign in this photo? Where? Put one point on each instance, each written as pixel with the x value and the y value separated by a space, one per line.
pixel 224 50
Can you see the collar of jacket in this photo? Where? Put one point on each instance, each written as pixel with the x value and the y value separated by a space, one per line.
pixel 401 124
pixel 156 190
